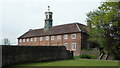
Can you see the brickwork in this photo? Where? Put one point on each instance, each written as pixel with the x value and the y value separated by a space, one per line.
pixel 56 42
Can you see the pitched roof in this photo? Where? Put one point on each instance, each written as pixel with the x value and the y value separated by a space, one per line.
pixel 56 30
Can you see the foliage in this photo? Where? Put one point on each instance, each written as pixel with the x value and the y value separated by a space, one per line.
pixel 85 56
pixel 94 57
pixel 76 56
pixel 104 27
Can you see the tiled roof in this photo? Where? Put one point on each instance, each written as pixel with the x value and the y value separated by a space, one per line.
pixel 56 30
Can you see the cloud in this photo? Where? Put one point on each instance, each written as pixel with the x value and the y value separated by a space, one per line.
pixel 54 1
pixel 113 0
pixel 18 16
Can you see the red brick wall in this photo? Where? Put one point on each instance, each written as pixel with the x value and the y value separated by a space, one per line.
pixel 56 42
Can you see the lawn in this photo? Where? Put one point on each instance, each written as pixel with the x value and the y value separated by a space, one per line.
pixel 73 62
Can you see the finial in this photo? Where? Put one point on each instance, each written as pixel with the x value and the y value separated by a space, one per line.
pixel 48 8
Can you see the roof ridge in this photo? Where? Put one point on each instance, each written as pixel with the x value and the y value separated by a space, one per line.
pixel 37 29
pixel 59 25
pixel 62 25
pixel 67 24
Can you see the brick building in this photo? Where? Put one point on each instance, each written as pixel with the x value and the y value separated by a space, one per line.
pixel 72 35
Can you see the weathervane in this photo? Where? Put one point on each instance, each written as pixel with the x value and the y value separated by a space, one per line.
pixel 48 8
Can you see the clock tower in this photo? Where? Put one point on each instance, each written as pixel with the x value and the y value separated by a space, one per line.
pixel 48 19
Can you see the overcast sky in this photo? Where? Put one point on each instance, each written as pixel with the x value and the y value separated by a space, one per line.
pixel 18 16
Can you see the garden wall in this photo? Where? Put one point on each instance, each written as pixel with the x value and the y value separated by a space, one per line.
pixel 27 54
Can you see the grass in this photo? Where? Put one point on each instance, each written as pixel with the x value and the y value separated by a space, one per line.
pixel 73 62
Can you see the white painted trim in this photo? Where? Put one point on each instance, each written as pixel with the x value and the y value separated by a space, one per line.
pixel 78 27
pixel 72 36
pixel 72 46
pixel 52 37
pixel 66 45
pixel 41 38
pixel 65 36
pixel 59 37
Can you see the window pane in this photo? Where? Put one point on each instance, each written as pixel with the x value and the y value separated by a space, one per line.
pixel 35 39
pixel 66 45
pixel 40 38
pixel 73 36
pixel 65 36
pixel 20 40
pixel 73 46
pixel 46 16
pixel 27 39
pixel 23 40
pixel 52 37
pixel 31 39
pixel 58 37
pixel 47 38
pixel 50 17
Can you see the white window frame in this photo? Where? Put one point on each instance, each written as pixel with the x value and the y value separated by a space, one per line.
pixel 66 36
pixel 27 40
pixel 73 44
pixel 59 37
pixel 47 37
pixel 20 40
pixel 23 40
pixel 31 39
pixel 41 38
pixel 73 36
pixel 35 39
pixel 66 45
pixel 52 37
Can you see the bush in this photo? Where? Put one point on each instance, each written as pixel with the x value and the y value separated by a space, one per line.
pixel 85 56
pixel 93 57
pixel 76 56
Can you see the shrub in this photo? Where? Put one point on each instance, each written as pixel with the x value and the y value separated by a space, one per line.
pixel 93 57
pixel 76 56
pixel 85 56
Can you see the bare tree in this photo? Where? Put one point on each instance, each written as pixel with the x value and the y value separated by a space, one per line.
pixel 6 41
